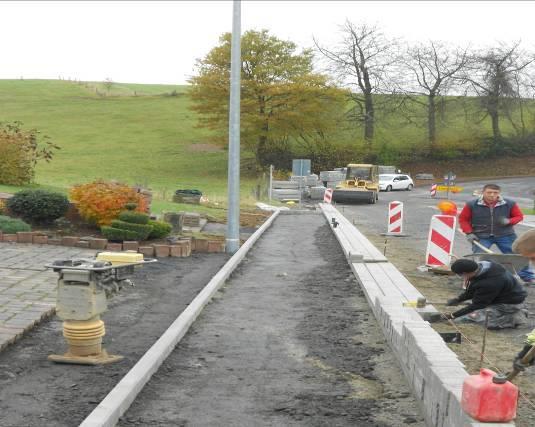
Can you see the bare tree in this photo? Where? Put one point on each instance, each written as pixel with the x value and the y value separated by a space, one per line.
pixel 495 77
pixel 362 60
pixel 432 68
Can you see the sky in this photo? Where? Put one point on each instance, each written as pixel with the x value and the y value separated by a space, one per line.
pixel 159 41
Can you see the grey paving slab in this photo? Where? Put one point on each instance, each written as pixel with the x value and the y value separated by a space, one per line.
pixel 27 289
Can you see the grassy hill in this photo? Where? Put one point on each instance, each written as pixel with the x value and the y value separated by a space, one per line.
pixel 146 134
pixel 141 134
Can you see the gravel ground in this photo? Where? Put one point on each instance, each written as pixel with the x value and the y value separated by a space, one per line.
pixel 290 340
pixel 36 392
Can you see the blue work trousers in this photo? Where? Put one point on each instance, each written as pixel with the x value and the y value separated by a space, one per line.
pixel 504 243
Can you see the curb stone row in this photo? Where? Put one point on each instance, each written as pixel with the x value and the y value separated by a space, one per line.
pixel 182 248
pixel 433 371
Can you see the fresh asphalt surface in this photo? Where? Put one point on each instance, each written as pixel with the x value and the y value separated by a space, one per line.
pixel 289 341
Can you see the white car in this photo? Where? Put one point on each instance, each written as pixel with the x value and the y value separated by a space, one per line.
pixel 389 182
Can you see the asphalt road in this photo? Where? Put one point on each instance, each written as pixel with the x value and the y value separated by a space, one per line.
pixel 419 206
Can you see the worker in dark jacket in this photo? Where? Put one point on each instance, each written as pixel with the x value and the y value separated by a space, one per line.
pixel 490 219
pixel 490 287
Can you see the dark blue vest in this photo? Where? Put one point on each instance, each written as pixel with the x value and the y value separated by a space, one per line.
pixel 485 219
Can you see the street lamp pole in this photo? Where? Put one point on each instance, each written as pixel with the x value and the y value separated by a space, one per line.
pixel 232 242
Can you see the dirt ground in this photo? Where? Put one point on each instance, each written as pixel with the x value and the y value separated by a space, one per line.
pixel 290 340
pixel 501 346
pixel 36 392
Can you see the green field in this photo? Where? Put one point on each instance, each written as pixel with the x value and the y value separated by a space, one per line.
pixel 145 134
pixel 138 134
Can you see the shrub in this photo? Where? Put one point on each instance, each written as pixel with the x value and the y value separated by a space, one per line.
pixel 112 233
pixel 12 225
pixel 134 217
pixel 160 229
pixel 38 206
pixel 19 152
pixel 100 202
pixel 142 231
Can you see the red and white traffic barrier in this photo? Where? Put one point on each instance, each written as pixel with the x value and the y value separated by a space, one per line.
pixel 433 190
pixel 328 195
pixel 440 240
pixel 395 218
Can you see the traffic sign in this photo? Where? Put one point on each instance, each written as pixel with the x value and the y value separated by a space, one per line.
pixel 452 188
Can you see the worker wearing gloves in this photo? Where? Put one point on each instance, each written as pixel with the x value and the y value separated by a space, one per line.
pixel 491 288
pixel 525 246
pixel 490 219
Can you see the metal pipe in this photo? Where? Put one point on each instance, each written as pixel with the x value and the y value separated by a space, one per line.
pixel 270 181
pixel 233 222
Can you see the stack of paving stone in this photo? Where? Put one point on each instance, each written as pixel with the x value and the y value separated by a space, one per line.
pixel 297 188
pixel 285 190
pixel 306 181
pixel 317 192
pixel 332 178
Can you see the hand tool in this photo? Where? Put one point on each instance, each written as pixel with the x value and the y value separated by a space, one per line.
pixel 422 302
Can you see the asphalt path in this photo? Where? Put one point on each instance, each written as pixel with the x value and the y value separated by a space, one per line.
pixel 289 341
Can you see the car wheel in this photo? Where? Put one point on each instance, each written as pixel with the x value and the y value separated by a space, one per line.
pixel 409 187
pixel 389 188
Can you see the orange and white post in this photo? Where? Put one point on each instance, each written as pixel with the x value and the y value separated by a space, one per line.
pixel 328 195
pixel 395 218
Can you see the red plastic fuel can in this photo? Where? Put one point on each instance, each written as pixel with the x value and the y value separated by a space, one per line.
pixel 486 401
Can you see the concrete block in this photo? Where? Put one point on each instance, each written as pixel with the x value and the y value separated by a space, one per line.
pixel 186 247
pixel 216 246
pixel 69 240
pixel 175 251
pixel 82 244
pixel 54 242
pixel 161 251
pixel 40 240
pixel 98 244
pixel 147 251
pixel 24 237
pixel 114 247
pixel 200 245
pixel 9 238
pixel 130 246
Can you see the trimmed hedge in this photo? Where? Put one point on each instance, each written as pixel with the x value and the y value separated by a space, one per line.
pixel 133 217
pixel 160 229
pixel 142 230
pixel 12 225
pixel 38 206
pixel 112 233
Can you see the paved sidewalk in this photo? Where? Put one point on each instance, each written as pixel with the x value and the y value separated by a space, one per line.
pixel 27 289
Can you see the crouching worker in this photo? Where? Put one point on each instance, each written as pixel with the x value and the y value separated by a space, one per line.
pixel 491 288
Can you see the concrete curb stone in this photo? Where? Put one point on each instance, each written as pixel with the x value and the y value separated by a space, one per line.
pixel 433 371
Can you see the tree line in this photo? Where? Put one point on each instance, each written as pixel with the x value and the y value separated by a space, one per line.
pixel 347 101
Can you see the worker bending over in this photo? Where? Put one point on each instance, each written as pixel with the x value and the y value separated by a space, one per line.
pixel 491 288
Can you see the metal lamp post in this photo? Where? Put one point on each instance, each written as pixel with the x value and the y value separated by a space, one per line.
pixel 233 224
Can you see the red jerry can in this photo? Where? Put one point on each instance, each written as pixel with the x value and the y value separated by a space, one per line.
pixel 487 401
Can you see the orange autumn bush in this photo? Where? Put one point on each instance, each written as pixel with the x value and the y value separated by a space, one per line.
pixel 100 202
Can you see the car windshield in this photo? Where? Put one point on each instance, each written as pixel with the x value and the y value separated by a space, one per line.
pixel 386 177
pixel 358 172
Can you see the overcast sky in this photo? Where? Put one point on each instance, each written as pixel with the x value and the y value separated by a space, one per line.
pixel 158 42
